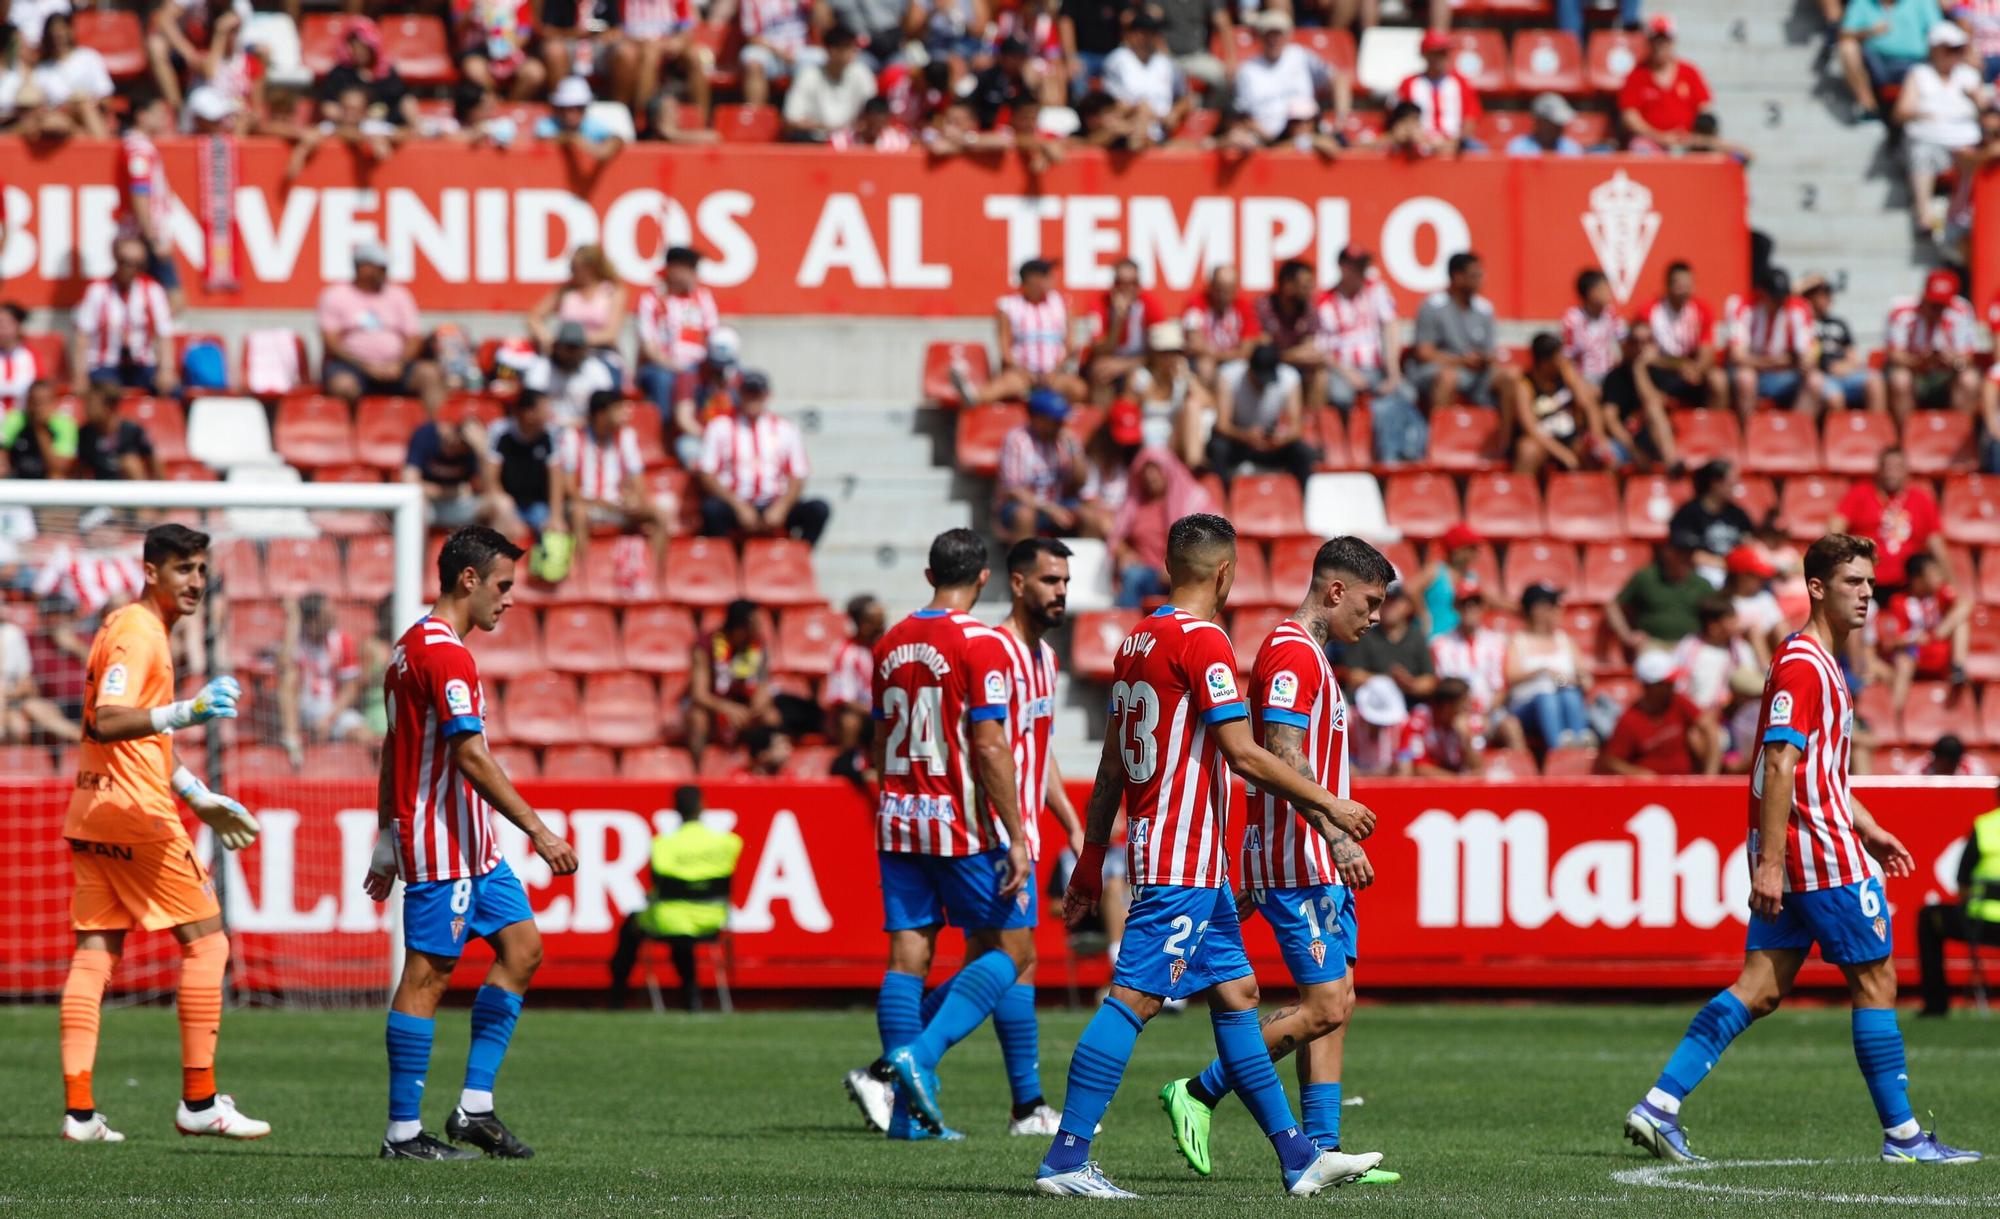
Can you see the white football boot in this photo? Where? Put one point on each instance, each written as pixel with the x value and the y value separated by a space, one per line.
pixel 220 1120
pixel 96 1130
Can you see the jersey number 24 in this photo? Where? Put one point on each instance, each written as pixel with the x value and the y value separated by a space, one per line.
pixel 914 730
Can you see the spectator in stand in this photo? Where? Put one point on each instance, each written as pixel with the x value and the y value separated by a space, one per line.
pixel 1438 738
pixel 73 80
pixel 1658 607
pixel 19 366
pixel 1926 633
pixel 37 441
pixel 1191 28
pixel 776 42
pixel 1569 14
pixel 1550 135
pixel 26 716
pixel 767 752
pixel 1448 576
pixel 1118 323
pixel 495 39
pixel 675 318
pixel 1770 347
pixel 753 472
pixel 1009 83
pixel 885 26
pixel 523 451
pixel 125 326
pixel 372 337
pixel 1629 393
pixel 347 122
pixel 476 120
pixel 1898 515
pixel 1162 491
pixel 1454 348
pixel 448 460
pixel 1981 20
pixel 1041 472
pixel 1108 471
pixel 1661 733
pixel 361 65
pixel 1090 31
pixel 1144 78
pixel 1707 662
pixel 1968 163
pixel 191 36
pixel 1556 415
pixel 729 685
pixel 1363 347
pixel 108 447
pixel 875 129
pixel 1592 331
pixel 1748 586
pixel 1546 679
pixel 1931 342
pixel 1660 101
pixel 1034 340
pixel 1279 92
pixel 1396 649
pixel 1447 101
pixel 827 96
pixel 1176 413
pixel 1260 418
pixel 571 125
pixel 1684 365
pixel 1290 322
pixel 658 38
pixel 1845 378
pixel 1938 110
pixel 1477 655
pixel 1711 525
pixel 1219 324
pixel 146 197
pixel 1880 41
pixel 591 298
pixel 1380 712
pixel 848 695
pixel 665 125
pixel 319 681
pixel 1405 135
pixel 569 376
pixel 604 478
pixel 715 387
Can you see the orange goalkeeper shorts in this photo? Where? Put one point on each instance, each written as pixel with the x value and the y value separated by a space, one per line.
pixel 149 885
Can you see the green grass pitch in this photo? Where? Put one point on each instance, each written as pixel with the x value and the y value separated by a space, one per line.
pixel 1487 1109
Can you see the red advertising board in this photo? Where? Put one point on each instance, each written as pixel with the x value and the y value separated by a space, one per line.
pixel 1580 883
pixel 806 231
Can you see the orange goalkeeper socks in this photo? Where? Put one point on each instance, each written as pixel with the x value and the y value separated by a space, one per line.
pixel 82 1005
pixel 202 966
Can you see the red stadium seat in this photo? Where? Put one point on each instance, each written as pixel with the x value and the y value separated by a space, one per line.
pixel 1755 494
pixel 1510 764
pixel 1504 505
pixel 813 761
pixel 1873 708
pixel 512 649
pixel 319 41
pixel 543 709
pixel 1200 123
pixel 1583 507
pixel 1606 567
pixel 1971 509
pixel 1095 638
pixel 1703 436
pixel 1982 661
pixel 1938 442
pixel 1808 504
pixel 657 764
pixel 940 358
pixel 808 637
pixel 115 34
pixel 294 567
pixel 165 423
pixel 1547 60
pixel 1987 582
pixel 1326 430
pixel 1780 442
pixel 244 762
pixel 673 706
pixel 1480 56
pixel 1464 438
pixel 314 431
pixel 370 567
pixel 981 429
pixel 339 760
pixel 1590 128
pixel 1855 440
pixel 1584 624
pixel 1253 577
pixel 417 46
pixel 1335 48
pixel 658 638
pixel 1421 505
pixel 581 639
pixel 702 571
pixel 1935 708
pixel 1291 564
pixel 241 570
pixel 1650 500
pixel 779 571
pixel 588 762
pixel 30 762
pixel 1611 56
pixel 1569 762
pixel 1531 563
pixel 519 761
pixel 256 630
pixel 1248 628
pixel 382 428
pixel 747 124
pixel 621 709
pixel 1403 557
pixel 1267 506
pixel 483 407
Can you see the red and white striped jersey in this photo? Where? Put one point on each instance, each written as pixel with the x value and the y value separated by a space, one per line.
pixel 1592 343
pixel 91 578
pixel 1681 333
pixel 658 18
pixel 1448 103
pixel 1143 313
pixel 598 470
pixel 852 679
pixel 444 830
pixel 1030 719
pixel 141 175
pixel 1175 681
pixel 1806 704
pixel 325 665
pixel 1292 684
pixel 1480 661
pixel 1954 332
pixel 678 325
pixel 1784 331
pixel 782 23
pixel 1223 330
pixel 1351 327
pixel 754 458
pixel 936 675
pixel 1040 331
pixel 120 324
pixel 19 369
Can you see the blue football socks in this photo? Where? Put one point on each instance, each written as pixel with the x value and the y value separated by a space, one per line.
pixel 1239 1043
pixel 409 1041
pixel 1720 1021
pixel 1878 1047
pixel 1095 1070
pixel 899 1021
pixel 494 1013
pixel 1319 1109
pixel 972 996
pixel 1020 1042
pixel 1211 1085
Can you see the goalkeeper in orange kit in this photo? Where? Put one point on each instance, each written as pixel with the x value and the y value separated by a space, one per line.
pixel 133 861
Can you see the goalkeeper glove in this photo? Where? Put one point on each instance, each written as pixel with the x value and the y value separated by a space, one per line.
pixel 231 822
pixel 214 701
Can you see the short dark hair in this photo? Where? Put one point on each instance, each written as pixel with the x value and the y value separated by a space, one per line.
pixel 1826 555
pixel 1194 533
pixel 1679 266
pixel 1291 267
pixel 20 314
pixel 1024 554
pixel 957 557
pixel 1351 556
pixel 758 739
pixel 1917 564
pixel 1036 266
pixel 1460 262
pixel 313 605
pixel 687 800
pixel 1711 473
pixel 1587 281
pixel 1712 610
pixel 742 612
pixel 474 546
pixel 1450 690
pixel 838 35
pixel 857 605
pixel 1404 110
pixel 165 542
pixel 1772 281
pixel 603 400
pixel 1545 346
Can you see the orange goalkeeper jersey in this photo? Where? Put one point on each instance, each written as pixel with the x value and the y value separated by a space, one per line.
pixel 124 789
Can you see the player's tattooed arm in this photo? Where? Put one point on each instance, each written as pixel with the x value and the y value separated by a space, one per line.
pixel 1287 743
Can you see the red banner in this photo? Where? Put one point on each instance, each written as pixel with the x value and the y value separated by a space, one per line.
pixel 1584 883
pixel 791 230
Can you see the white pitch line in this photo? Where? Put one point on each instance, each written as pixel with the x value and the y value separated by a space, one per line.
pixel 1670 1176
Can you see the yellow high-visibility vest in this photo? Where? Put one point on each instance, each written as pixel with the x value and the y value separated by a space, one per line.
pixel 1986 873
pixel 691 871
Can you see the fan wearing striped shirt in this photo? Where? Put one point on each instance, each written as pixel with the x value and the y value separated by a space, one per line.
pixel 604 478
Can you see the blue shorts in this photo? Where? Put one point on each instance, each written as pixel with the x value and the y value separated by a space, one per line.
pixel 1179 941
pixel 1850 924
pixel 441 916
pixel 1779 385
pixel 1316 930
pixel 926 890
pixel 1851 386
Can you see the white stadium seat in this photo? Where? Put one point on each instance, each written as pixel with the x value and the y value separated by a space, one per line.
pixel 1348 503
pixel 227 432
pixel 1090 582
pixel 1388 56
pixel 269 522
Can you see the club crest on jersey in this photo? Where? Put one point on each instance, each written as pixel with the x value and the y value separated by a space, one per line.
pixel 1021 899
pixel 457 698
pixel 1285 689
pixel 1318 950
pixel 457 930
pixel 1881 929
pixel 1340 716
pixel 114 681
pixel 1221 683
pixel 1175 970
pixel 1781 708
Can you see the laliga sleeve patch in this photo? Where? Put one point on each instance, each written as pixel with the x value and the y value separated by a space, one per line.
pixel 1221 683
pixel 114 681
pixel 1284 690
pixel 1781 708
pixel 996 687
pixel 457 698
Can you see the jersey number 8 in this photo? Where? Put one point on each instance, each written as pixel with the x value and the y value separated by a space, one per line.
pixel 913 735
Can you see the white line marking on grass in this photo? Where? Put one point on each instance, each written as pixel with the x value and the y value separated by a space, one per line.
pixel 1676 1176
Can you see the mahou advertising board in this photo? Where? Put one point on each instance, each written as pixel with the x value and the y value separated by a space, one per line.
pixel 808 231
pixel 1550 884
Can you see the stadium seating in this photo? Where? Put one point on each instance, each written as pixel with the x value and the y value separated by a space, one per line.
pixel 256 630
pixel 1547 60
pixel 382 428
pixel 165 423
pixel 703 571
pixel 1248 628
pixel 1935 708
pixel 579 762
pixel 1855 440
pixel 1090 575
pixel 1510 764
pixel 1650 500
pixel 226 432
pixel 1937 442
pixel 115 34
pixel 1708 435
pixel 658 638
pixel 512 649
pixel 981 429
pixel 294 567
pixel 778 571
pixel 1346 503
pixel 1464 437
pixel 1971 509
pixel 660 764
pixel 1421 504
pixel 1780 442
pixel 1982 661
pixel 1569 762
pixel 1387 56
pixel 1504 505
pixel 940 358
pixel 369 570
pixel 808 638
pixel 1094 640
pixel 1583 507
pixel 319 41
pixel 621 709
pixel 1611 56
pixel 314 431
pixel 1253 577
pixel 1606 567
pixel 1480 56
pixel 519 761
pixel 1808 504
pixel 1335 48
pixel 543 709
pixel 747 124
pixel 1266 506
pixel 582 639
pixel 1292 564
pixel 1531 563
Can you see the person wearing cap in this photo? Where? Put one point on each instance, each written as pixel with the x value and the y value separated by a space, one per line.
pixel 1281 90
pixel 1041 472
pixel 1219 324
pixel 826 96
pixel 1380 711
pixel 1748 586
pixel 1036 349
pixel 371 336
pixel 1662 97
pixel 1900 516
pixel 1880 41
pixel 1938 110
pixel 569 376
pixel 1926 632
pixel 1363 346
pixel 1684 364
pixel 1141 75
pixel 1845 378
pixel 1440 738
pixel 676 316
pixel 1448 574
pixel 1477 655
pixel 1711 524
pixel 1260 418
pixel 1930 342
pixel 1769 346
pixel 1108 468
pixel 753 469
pixel 125 325
pixel 1448 102
pixel 571 125
pixel 1176 411
pixel 1662 732
pixel 1550 136
pixel 1455 345
pixel 1547 681
pixel 1160 490
pixel 593 298
pixel 713 388
pixel 1659 605
pixel 1396 651
pixel 1118 322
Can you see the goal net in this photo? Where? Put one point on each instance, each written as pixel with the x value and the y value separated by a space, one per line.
pixel 306 585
